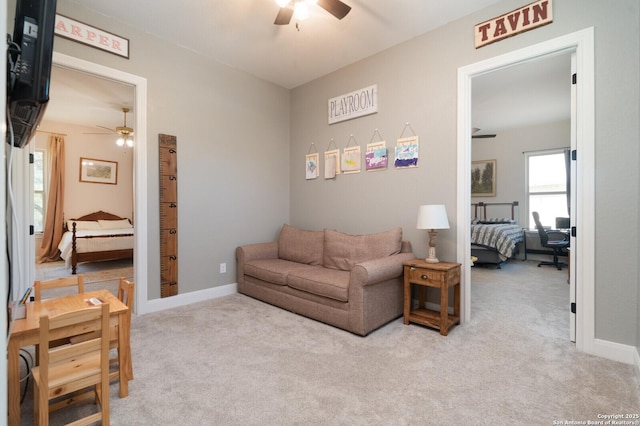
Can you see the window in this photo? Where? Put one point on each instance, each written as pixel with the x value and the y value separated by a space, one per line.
pixel 39 189
pixel 546 186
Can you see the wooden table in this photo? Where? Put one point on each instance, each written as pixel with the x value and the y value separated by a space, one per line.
pixel 440 275
pixel 26 332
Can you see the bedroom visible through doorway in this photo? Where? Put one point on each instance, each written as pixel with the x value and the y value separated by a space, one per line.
pixel 138 87
pixel 581 44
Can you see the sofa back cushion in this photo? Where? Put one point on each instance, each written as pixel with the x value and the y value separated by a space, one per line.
pixel 300 245
pixel 344 251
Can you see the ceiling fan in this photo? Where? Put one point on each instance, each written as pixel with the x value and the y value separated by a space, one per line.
pixel 125 132
pixel 289 7
pixel 484 136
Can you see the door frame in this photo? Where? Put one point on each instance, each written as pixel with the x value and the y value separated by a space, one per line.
pixel 139 85
pixel 583 252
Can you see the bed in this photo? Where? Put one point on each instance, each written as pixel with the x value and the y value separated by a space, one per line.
pixel 495 239
pixel 95 237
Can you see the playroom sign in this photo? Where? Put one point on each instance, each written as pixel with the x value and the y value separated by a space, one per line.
pixel 526 18
pixel 354 104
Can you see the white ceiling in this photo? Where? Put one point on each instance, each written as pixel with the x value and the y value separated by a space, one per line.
pixel 242 35
pixel 527 94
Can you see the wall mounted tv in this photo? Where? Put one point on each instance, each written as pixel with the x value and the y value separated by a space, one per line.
pixel 29 67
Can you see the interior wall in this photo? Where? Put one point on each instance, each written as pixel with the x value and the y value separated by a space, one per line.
pixel 84 197
pixel 417 84
pixel 508 148
pixel 232 132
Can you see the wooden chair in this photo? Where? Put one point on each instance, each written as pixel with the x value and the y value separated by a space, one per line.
pixel 126 296
pixel 76 280
pixel 67 369
pixel 40 286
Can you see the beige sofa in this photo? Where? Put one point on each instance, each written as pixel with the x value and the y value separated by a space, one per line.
pixel 353 282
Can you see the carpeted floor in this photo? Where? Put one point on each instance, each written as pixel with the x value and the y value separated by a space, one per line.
pixel 238 361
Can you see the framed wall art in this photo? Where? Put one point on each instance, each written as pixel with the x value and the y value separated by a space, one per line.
pixel 98 171
pixel 483 178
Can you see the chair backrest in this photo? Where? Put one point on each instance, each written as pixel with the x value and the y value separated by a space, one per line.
pixel 76 280
pixel 126 292
pixel 544 238
pixel 72 371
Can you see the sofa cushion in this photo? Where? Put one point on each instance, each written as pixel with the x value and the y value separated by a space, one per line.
pixel 274 270
pixel 325 282
pixel 344 251
pixel 300 245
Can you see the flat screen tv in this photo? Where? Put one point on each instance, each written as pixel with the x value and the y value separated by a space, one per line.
pixel 29 67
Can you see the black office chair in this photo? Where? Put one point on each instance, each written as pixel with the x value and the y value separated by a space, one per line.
pixel 558 243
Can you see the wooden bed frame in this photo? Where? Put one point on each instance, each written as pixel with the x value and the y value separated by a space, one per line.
pixel 97 255
pixel 487 255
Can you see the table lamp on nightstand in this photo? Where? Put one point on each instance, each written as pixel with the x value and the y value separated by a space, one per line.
pixel 432 217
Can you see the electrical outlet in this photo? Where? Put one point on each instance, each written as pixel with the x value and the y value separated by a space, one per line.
pixel 223 268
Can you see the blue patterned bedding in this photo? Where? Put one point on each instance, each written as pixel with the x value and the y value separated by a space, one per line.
pixel 502 237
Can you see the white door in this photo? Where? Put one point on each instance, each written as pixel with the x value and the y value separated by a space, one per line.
pixel 574 211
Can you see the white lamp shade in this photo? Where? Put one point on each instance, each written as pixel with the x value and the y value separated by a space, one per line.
pixel 282 3
pixel 433 216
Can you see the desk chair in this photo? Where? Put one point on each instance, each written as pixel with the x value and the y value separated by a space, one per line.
pixel 76 280
pixel 557 245
pixel 67 369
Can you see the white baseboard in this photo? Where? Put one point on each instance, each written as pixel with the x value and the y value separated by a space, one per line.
pixel 637 365
pixel 616 352
pixel 156 305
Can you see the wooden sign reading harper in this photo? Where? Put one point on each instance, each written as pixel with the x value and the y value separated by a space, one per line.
pixel 354 104
pixel 92 36
pixel 526 18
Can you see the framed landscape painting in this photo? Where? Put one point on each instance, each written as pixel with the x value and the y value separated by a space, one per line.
pixel 98 171
pixel 483 178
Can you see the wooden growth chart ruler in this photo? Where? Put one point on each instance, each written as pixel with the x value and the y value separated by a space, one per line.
pixel 168 215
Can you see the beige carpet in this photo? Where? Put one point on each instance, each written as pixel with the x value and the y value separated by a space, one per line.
pixel 238 361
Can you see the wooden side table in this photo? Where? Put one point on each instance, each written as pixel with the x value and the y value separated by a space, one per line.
pixel 439 275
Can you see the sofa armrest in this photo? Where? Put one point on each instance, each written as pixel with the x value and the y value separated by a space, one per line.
pixel 249 252
pixel 379 270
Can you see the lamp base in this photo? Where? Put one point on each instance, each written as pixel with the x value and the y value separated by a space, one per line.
pixel 431 258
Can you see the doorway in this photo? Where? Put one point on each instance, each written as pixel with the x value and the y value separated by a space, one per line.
pixel 85 111
pixel 583 256
pixel 522 113
pixel 139 85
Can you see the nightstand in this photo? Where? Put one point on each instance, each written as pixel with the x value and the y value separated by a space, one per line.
pixel 440 275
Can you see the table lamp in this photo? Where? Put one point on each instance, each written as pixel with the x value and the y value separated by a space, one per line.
pixel 432 217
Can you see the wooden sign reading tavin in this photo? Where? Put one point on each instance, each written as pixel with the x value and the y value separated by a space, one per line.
pixel 526 18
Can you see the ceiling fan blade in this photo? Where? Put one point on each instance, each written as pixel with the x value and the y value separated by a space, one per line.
pixel 284 16
pixel 483 136
pixel 106 128
pixel 335 7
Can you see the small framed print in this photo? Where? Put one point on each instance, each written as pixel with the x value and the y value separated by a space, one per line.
pixel 311 165
pixel 98 171
pixel 483 178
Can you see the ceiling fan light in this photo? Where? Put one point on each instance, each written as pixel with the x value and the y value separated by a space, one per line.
pixel 301 11
pixel 129 142
pixel 282 3
pixel 120 142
